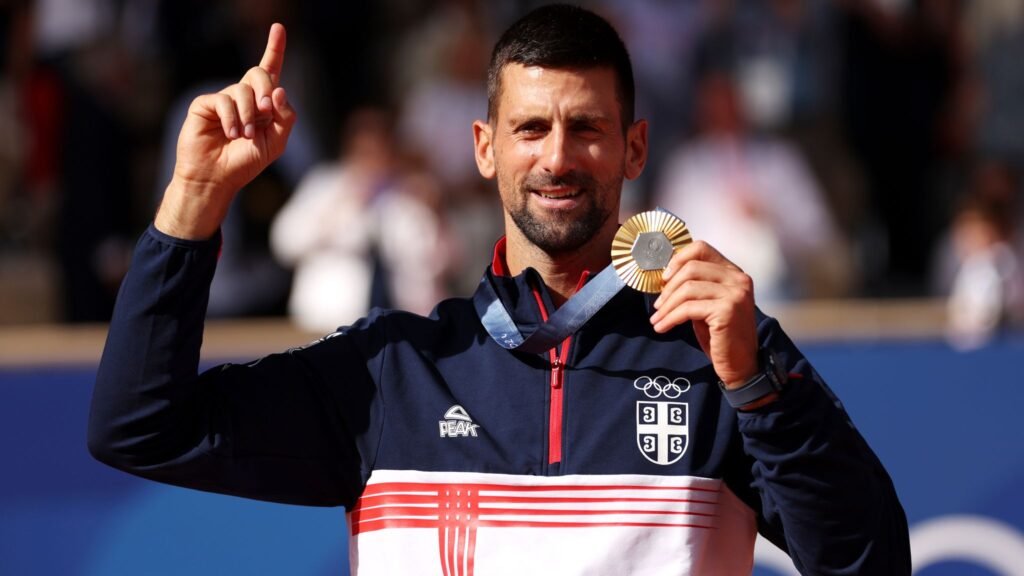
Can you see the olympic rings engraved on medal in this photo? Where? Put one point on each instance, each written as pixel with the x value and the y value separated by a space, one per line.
pixel 661 386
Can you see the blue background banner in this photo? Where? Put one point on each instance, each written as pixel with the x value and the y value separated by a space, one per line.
pixel 945 423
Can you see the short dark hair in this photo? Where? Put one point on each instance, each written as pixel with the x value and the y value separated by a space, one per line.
pixel 562 36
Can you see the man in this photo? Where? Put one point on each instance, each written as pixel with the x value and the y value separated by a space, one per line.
pixel 615 452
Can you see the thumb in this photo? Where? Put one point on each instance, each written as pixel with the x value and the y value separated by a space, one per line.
pixel 284 119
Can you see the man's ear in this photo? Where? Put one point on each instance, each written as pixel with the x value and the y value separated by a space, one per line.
pixel 483 145
pixel 636 149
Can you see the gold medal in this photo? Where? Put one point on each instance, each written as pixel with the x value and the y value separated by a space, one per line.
pixel 643 247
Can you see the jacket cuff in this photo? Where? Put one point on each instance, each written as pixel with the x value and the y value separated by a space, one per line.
pixel 213 242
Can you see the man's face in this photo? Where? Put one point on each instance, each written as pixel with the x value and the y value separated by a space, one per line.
pixel 558 151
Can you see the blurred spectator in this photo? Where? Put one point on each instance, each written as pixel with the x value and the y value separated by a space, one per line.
pixel 987 292
pixel 754 199
pixel 93 92
pixel 782 52
pixel 904 98
pixel 417 251
pixel 444 65
pixel 911 88
pixel 15 82
pixel 662 38
pixel 361 233
pixel 439 109
pixel 997 39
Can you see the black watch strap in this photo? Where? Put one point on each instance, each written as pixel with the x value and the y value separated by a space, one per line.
pixel 769 380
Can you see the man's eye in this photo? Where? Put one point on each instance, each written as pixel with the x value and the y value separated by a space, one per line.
pixel 586 129
pixel 532 128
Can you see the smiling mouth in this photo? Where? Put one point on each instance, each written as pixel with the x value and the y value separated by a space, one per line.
pixel 559 194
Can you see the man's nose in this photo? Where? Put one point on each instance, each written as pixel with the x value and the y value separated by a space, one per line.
pixel 556 156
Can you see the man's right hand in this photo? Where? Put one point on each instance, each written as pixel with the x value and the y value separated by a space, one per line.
pixel 227 139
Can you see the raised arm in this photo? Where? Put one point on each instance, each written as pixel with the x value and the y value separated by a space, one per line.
pixel 276 429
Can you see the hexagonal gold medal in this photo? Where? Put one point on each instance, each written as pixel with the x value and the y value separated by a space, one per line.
pixel 643 247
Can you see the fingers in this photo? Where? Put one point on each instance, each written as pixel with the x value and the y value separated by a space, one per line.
pixel 699 301
pixel 244 108
pixel 217 110
pixel 227 113
pixel 262 86
pixel 700 261
pixel 244 101
pixel 705 288
pixel 284 116
pixel 698 250
pixel 273 56
pixel 701 283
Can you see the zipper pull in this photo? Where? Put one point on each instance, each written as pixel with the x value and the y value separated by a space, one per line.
pixel 556 374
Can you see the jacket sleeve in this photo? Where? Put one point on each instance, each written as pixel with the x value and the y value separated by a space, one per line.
pixel 278 429
pixel 824 496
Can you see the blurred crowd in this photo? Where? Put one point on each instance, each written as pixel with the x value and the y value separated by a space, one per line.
pixel 832 148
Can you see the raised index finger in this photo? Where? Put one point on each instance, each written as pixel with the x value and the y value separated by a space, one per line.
pixel 273 57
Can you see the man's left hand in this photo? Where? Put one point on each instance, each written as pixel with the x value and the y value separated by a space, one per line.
pixel 704 287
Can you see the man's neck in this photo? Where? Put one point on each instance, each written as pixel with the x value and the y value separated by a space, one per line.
pixel 560 272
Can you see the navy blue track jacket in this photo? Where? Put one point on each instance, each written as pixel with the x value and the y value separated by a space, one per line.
pixel 614 454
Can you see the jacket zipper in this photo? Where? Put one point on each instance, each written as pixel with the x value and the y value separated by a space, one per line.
pixel 559 357
pixel 557 393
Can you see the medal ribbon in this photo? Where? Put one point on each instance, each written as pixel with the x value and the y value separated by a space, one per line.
pixel 569 318
pixel 584 304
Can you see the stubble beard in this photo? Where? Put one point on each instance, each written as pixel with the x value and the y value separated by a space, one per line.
pixel 565 232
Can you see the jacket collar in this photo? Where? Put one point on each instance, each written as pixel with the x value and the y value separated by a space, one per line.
pixel 518 291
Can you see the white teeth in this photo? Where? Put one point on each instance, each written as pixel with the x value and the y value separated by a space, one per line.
pixel 559 197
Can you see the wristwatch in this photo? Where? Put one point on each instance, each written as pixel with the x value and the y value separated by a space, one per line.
pixel 770 380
